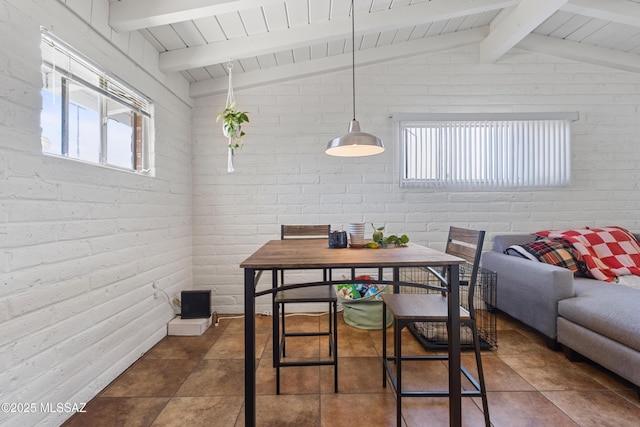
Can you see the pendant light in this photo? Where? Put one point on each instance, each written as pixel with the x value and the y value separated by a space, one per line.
pixel 354 143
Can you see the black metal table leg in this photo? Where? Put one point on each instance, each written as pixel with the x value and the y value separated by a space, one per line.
pixel 455 386
pixel 275 327
pixel 384 345
pixel 335 346
pixel 249 347
pixel 397 343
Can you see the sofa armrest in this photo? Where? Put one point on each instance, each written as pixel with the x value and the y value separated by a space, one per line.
pixel 530 290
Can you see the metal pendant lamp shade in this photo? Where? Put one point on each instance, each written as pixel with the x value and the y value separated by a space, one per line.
pixel 355 143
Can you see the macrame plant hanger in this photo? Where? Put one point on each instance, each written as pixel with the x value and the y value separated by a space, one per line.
pixel 231 100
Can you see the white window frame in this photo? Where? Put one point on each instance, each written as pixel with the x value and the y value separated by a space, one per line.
pixel 477 150
pixel 114 104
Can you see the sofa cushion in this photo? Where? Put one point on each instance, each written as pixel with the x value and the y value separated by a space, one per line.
pixel 549 251
pixel 607 252
pixel 606 308
pixel 503 241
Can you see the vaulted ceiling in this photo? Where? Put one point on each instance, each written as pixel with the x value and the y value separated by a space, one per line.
pixel 268 41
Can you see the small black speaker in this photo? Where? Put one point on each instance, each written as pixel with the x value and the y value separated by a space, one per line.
pixel 195 304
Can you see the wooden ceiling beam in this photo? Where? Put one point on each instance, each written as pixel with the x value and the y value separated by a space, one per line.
pixel 581 52
pixel 340 62
pixel 619 11
pixel 522 20
pixel 322 32
pixel 130 15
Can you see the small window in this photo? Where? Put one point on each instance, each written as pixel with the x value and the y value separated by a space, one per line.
pixel 491 150
pixel 89 115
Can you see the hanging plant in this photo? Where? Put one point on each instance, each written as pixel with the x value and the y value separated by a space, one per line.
pixel 232 121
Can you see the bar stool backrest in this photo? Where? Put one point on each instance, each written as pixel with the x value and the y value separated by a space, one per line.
pixel 304 231
pixel 467 244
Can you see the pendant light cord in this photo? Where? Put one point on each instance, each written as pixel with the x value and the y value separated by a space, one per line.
pixel 353 56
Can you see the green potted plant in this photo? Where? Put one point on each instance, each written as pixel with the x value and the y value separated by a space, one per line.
pixel 380 241
pixel 232 121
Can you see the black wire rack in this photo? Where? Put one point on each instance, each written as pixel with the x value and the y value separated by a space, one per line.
pixel 433 335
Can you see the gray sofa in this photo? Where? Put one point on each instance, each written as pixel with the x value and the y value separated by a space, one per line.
pixel 598 320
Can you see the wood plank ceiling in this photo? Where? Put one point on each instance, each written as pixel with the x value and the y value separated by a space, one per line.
pixel 269 41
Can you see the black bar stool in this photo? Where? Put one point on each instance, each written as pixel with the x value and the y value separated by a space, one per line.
pixel 302 295
pixel 433 307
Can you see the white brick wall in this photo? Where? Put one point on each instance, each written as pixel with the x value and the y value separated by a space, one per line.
pixel 81 245
pixel 283 175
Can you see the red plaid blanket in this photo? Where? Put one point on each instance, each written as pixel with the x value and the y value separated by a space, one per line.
pixel 607 252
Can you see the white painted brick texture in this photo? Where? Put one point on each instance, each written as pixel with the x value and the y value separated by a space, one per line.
pixel 283 176
pixel 81 245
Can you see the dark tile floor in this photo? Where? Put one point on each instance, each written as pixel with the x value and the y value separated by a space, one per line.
pixel 199 381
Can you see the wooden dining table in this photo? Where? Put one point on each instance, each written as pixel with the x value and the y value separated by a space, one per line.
pixel 309 254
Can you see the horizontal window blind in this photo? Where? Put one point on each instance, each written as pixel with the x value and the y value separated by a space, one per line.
pixel 485 153
pixel 64 60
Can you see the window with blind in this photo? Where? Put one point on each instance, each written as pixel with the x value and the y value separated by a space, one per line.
pixel 89 115
pixel 485 150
